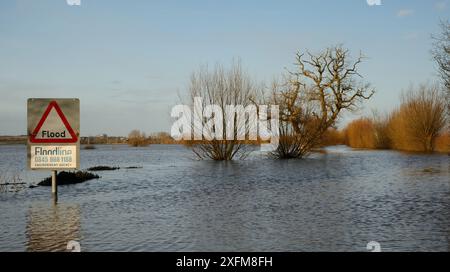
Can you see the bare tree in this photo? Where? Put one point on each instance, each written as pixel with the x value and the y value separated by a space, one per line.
pixel 222 88
pixel 441 53
pixel 312 98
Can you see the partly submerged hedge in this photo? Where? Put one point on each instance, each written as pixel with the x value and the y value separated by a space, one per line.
pixel 65 178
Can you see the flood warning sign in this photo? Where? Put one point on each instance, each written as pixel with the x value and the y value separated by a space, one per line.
pixel 53 133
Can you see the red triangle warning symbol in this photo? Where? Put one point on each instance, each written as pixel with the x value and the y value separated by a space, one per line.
pixel 53 137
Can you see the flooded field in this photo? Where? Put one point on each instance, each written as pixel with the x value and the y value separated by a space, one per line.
pixel 338 201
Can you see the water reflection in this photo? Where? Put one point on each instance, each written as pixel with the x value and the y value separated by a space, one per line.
pixel 50 227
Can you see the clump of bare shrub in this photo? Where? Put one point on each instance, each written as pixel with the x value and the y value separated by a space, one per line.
pixel 371 133
pixel 419 120
pixel 360 133
pixel 333 136
pixel 380 125
pixel 221 87
pixel 442 143
pixel 137 138
pixel 418 124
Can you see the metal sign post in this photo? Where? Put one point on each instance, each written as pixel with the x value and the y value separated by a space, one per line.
pixel 53 136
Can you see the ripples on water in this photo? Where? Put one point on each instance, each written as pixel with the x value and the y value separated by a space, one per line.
pixel 337 201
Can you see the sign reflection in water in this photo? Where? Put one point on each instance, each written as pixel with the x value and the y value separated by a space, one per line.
pixel 50 227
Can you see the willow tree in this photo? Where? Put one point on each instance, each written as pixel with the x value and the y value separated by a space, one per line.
pixel 312 97
pixel 419 120
pixel 220 87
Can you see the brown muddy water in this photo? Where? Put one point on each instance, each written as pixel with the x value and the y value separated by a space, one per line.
pixel 337 201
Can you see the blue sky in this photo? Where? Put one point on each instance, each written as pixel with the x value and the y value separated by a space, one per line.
pixel 127 61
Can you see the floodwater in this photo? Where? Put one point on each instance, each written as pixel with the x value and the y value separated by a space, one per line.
pixel 337 201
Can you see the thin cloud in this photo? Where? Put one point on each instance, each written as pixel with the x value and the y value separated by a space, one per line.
pixel 405 12
pixel 440 5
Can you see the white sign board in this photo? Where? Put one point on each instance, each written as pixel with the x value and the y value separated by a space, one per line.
pixel 53 134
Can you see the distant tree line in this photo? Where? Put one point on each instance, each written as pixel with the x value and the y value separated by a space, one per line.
pixel 102 139
pixel 135 138
pixel 138 138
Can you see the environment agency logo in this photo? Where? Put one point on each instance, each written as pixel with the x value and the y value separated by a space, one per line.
pixel 73 2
